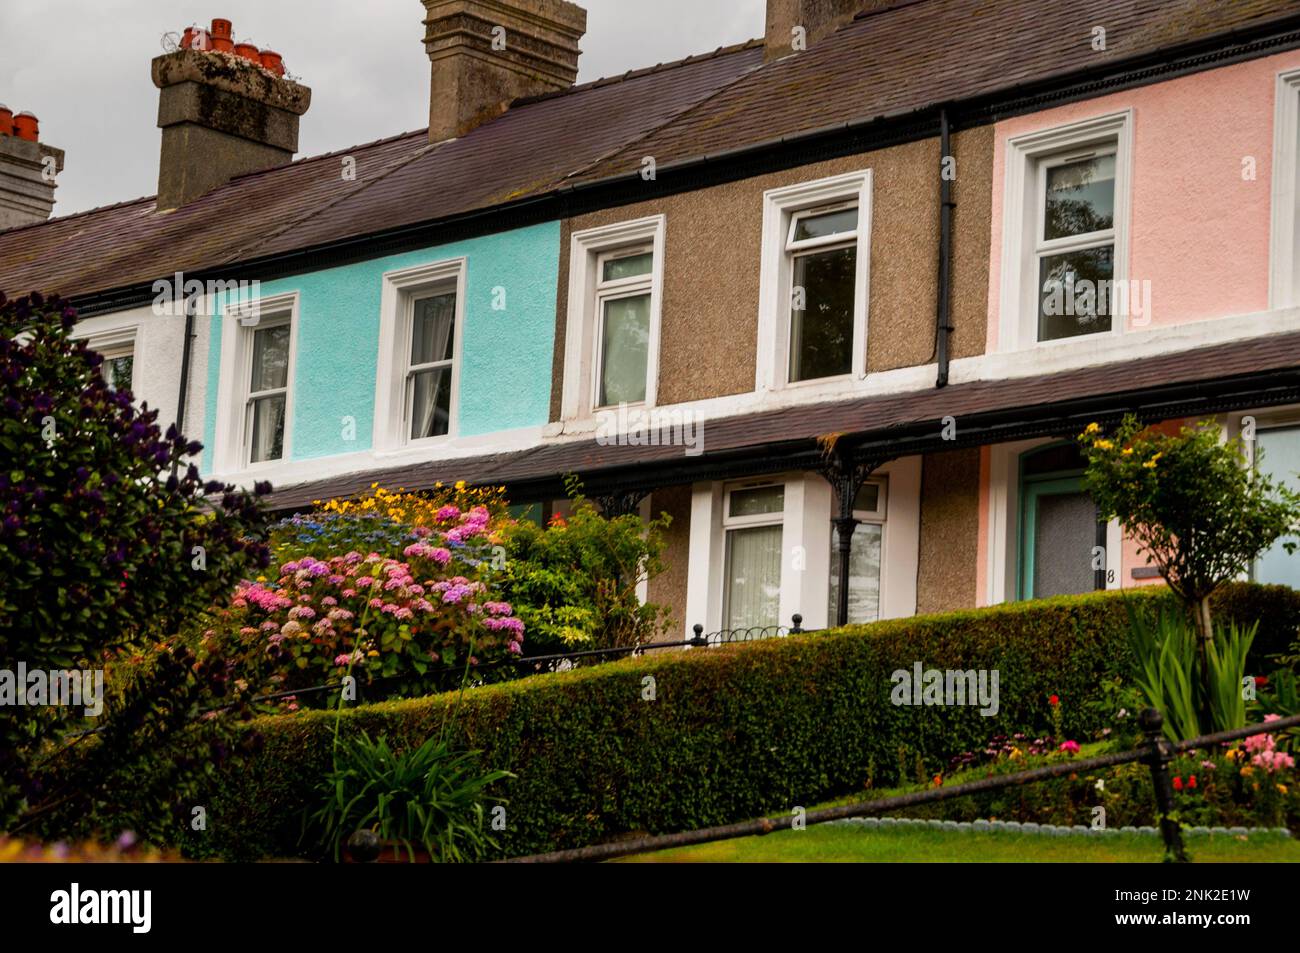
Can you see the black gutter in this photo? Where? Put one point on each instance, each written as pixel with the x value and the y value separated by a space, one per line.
pixel 847 138
pixel 186 350
pixel 943 312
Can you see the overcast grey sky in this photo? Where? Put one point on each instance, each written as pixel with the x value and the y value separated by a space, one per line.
pixel 82 66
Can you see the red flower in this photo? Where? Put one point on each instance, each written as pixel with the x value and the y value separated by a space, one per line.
pixel 1178 783
pixel 1054 700
pixel 1261 679
pixel 1191 781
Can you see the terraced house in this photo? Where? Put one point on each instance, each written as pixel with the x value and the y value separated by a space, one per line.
pixel 837 299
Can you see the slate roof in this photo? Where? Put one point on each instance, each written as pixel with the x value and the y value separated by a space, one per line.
pixel 1257 372
pixel 889 62
pixel 399 180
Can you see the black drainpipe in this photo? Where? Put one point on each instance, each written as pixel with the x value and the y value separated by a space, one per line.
pixel 943 316
pixel 190 304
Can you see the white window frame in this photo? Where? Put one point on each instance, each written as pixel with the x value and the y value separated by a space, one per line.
pixel 1284 270
pixel 233 429
pixel 615 290
pixel 588 249
pixel 120 342
pixel 401 289
pixel 730 523
pixel 1027 158
pixel 780 209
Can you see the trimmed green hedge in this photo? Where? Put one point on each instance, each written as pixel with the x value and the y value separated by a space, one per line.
pixel 732 732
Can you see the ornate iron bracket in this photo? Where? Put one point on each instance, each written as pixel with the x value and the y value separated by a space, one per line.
pixel 621 503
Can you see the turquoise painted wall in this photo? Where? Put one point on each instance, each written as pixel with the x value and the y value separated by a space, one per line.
pixel 505 375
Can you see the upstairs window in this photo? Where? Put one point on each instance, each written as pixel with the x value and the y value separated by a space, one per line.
pixel 813 282
pixel 421 333
pixel 611 335
pixel 427 407
pixel 255 389
pixel 1075 244
pixel 623 288
pixel 1065 233
pixel 823 250
pixel 267 400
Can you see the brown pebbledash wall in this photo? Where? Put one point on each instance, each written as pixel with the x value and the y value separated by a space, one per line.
pixel 950 485
pixel 713 243
pixel 669 589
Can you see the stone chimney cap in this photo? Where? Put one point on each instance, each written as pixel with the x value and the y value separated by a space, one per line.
pixel 231 74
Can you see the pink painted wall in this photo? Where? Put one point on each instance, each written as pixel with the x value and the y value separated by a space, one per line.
pixel 1199 231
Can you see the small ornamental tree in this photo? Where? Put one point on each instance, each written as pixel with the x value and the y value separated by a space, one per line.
pixel 574 584
pixel 108 540
pixel 1192 504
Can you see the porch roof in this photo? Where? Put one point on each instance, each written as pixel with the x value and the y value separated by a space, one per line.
pixel 1254 373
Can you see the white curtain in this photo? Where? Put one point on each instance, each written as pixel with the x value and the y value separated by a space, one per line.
pixel 753 576
pixel 431 342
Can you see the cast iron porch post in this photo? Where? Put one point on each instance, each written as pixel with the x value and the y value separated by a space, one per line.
pixel 846 476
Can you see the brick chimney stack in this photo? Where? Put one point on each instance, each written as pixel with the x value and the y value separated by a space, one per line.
pixel 224 110
pixel 487 53
pixel 27 171
pixel 817 18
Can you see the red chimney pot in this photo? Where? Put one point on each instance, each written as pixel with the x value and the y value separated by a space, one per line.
pixel 272 60
pixel 6 120
pixel 221 29
pixel 27 126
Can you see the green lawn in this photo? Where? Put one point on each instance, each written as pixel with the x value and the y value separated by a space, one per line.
pixel 857 843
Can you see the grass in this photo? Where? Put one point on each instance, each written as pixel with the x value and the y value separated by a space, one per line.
pixel 857 843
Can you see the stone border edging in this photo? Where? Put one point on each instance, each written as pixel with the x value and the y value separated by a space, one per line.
pixel 1053 829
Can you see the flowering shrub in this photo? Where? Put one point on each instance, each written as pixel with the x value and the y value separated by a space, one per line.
pixel 411 623
pixel 421 509
pixel 109 540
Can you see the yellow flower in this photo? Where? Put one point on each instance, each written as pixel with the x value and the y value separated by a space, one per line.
pixel 1281 788
pixel 1092 428
pixel 1104 445
pixel 1127 451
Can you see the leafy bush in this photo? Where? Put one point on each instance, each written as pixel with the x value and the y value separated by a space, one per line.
pixel 732 732
pixel 430 797
pixel 574 583
pixel 108 539
pixel 1276 610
